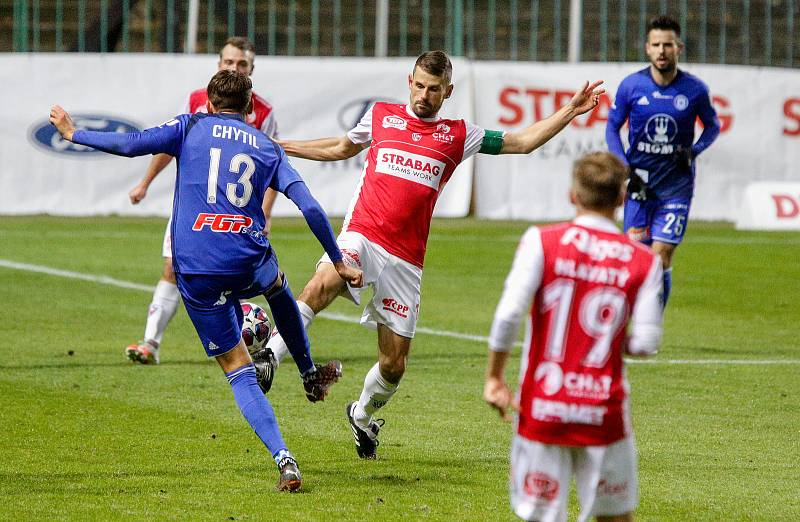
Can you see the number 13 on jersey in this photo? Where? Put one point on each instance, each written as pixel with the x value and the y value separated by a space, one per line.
pixel 231 188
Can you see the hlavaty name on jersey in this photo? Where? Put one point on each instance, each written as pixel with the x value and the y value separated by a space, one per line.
pixel 604 275
pixel 232 133
pixel 413 167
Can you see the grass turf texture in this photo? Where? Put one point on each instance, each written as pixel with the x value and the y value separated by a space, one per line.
pixel 87 435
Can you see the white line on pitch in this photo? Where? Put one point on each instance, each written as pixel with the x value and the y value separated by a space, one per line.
pixel 106 280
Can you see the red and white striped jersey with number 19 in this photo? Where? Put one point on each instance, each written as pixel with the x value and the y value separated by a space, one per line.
pixel 586 282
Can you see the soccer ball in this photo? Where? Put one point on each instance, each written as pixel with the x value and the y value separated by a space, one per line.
pixel 255 327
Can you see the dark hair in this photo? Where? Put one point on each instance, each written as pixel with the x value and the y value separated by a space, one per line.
pixel 240 42
pixel 665 23
pixel 436 63
pixel 231 91
pixel 597 179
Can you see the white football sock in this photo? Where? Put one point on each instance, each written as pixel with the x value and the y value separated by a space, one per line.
pixel 376 393
pixel 165 303
pixel 276 343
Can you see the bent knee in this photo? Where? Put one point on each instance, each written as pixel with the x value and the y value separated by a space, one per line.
pixel 392 369
pixel 323 288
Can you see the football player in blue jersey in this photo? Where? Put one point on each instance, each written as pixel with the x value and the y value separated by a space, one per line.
pixel 661 104
pixel 220 254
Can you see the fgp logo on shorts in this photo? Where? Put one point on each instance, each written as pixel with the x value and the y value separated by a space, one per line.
pixel 222 222
pixel 45 136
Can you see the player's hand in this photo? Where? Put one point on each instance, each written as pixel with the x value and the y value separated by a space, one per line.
pixel 587 97
pixel 684 157
pixel 62 122
pixel 500 397
pixel 353 276
pixel 637 189
pixel 137 194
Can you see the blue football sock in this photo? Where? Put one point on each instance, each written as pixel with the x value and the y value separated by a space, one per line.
pixel 667 286
pixel 256 409
pixel 290 325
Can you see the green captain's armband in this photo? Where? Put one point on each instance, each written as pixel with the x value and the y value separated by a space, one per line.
pixel 492 142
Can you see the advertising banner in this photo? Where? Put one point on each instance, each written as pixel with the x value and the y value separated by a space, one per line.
pixel 759 111
pixel 312 98
pixel 770 206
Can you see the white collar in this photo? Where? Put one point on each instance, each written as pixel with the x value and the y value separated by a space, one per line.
pixel 411 113
pixel 596 222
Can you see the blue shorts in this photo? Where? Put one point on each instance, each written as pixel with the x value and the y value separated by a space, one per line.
pixel 212 302
pixel 656 220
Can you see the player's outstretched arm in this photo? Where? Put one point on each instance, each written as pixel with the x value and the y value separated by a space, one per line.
pixel 531 138
pixel 325 149
pixel 157 164
pixel 166 138
pixel 62 121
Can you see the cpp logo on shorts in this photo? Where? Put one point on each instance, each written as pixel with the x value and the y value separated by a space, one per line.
pixel 45 136
pixel 391 305
pixel 661 129
pixel 541 485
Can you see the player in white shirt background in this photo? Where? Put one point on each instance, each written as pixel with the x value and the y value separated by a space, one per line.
pixel 237 54
pixel 412 155
pixel 579 285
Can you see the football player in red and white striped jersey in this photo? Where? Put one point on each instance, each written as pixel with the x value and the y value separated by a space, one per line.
pixel 412 154
pixel 579 285
pixel 238 54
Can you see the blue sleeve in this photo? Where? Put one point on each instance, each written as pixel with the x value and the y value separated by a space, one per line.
pixel 315 217
pixel 285 174
pixel 708 116
pixel 166 138
pixel 616 119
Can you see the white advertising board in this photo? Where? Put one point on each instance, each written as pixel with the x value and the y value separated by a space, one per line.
pixel 313 98
pixel 770 206
pixel 759 110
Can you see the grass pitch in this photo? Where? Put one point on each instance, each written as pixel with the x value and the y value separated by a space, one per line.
pixel 86 435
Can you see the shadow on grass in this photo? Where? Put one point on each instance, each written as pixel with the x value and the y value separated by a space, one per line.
pixel 80 364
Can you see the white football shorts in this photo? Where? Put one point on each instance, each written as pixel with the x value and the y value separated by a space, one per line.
pixel 166 247
pixel 396 284
pixel 605 477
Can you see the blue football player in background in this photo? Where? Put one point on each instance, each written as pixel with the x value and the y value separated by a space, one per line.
pixel 219 252
pixel 662 104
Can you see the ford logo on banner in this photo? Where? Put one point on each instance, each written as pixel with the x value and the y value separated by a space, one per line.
pixel 352 112
pixel 45 135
